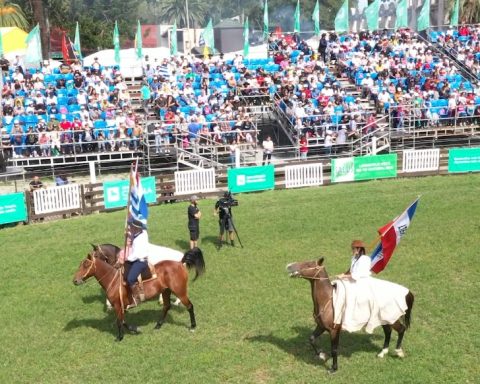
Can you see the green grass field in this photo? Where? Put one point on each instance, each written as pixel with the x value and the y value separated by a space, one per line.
pixel 253 320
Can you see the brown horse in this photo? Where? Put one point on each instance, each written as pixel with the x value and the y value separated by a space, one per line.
pixel 323 310
pixel 110 254
pixel 171 276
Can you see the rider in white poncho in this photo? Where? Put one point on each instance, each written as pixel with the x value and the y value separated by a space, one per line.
pixel 364 301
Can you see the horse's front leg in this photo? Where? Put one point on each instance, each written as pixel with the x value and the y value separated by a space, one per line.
pixel 334 338
pixel 120 321
pixel 315 334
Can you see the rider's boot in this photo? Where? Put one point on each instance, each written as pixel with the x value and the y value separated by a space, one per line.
pixel 136 296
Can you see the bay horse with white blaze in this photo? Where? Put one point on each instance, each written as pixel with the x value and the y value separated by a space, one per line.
pixel 323 310
pixel 170 276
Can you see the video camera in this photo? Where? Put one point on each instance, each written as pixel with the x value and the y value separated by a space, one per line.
pixel 227 201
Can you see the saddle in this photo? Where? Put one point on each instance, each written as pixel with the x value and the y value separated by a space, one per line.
pixel 147 275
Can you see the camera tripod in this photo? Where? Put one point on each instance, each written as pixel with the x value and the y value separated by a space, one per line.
pixel 225 219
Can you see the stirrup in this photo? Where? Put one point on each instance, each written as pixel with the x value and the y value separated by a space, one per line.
pixel 132 305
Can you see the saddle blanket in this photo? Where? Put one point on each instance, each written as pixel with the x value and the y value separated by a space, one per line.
pixel 367 302
pixel 157 253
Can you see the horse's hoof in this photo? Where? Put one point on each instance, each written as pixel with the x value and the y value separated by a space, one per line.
pixel 332 370
pixel 322 356
pixel 382 353
pixel 158 326
pixel 119 339
pixel 192 330
pixel 400 353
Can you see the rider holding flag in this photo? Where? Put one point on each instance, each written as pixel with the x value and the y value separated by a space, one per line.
pixel 136 258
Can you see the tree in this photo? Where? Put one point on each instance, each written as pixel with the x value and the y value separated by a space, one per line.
pixel 170 10
pixel 39 17
pixel 470 11
pixel 11 15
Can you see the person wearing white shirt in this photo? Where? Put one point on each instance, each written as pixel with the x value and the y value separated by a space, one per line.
pixel 135 255
pixel 360 264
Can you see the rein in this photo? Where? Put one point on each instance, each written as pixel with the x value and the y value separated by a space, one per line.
pixel 315 277
pixel 93 265
pixel 322 310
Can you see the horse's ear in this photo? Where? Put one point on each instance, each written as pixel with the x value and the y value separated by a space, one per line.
pixel 320 261
pixel 94 246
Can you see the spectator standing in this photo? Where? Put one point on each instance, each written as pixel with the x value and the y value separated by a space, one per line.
pixel 322 47
pixel 194 216
pixel 303 147
pixel 267 145
pixel 36 183
pixel 146 95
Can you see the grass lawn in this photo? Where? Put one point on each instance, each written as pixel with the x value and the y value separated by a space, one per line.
pixel 253 320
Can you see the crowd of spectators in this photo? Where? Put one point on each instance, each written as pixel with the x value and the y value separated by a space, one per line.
pixel 67 109
pixel 462 43
pixel 195 101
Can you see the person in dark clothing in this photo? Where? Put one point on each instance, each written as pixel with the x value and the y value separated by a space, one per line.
pixel 322 47
pixel 194 216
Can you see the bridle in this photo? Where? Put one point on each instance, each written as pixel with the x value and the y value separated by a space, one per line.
pixel 93 265
pixel 317 268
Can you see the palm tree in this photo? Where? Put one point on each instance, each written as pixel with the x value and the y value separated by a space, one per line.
pixel 39 17
pixel 11 15
pixel 171 10
pixel 470 12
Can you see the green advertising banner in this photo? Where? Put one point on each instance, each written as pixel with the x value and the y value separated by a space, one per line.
pixel 464 160
pixel 248 179
pixel 12 208
pixel 115 193
pixel 375 167
pixel 343 169
pixel 364 168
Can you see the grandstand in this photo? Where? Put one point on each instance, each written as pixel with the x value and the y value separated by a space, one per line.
pixel 382 91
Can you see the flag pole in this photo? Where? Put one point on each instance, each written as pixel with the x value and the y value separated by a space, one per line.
pixel 128 206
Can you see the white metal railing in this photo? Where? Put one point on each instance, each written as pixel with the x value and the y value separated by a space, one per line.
pixel 56 199
pixel 421 160
pixel 195 181
pixel 303 175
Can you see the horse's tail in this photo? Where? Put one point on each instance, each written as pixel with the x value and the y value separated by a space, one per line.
pixel 408 314
pixel 194 258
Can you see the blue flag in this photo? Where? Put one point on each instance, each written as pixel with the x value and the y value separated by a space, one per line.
pixel 138 205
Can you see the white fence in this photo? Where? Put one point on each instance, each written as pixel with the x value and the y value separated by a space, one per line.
pixel 55 199
pixel 304 175
pixel 421 160
pixel 201 180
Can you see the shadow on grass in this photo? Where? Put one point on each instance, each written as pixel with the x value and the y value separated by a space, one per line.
pixel 146 318
pixel 182 244
pixel 94 298
pixel 299 345
pixel 210 239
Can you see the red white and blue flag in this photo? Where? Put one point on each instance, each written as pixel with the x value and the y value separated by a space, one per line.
pixel 390 236
pixel 138 205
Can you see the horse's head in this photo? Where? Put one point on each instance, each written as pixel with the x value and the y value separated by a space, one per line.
pixel 310 270
pixel 85 270
pixel 105 252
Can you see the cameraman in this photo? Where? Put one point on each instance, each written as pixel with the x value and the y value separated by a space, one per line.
pixel 223 208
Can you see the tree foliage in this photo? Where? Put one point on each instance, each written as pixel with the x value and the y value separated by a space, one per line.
pixel 12 15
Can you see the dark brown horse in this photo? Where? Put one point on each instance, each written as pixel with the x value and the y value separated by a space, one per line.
pixel 323 310
pixel 171 276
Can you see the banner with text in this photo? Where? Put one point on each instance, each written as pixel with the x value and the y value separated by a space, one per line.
pixel 364 168
pixel 464 160
pixel 248 179
pixel 12 208
pixel 115 193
